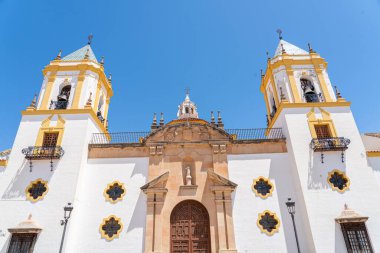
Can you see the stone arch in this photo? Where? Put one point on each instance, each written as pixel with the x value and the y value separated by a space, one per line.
pixel 190 228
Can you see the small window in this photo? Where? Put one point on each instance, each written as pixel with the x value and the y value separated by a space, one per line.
pixel 322 131
pixel 50 139
pixel 22 243
pixel 187 110
pixel 268 222
pixel 356 237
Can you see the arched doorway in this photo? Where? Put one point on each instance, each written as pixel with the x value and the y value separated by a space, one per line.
pixel 189 228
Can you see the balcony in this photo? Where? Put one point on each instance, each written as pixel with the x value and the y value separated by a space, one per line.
pixel 330 144
pixel 58 105
pixel 43 153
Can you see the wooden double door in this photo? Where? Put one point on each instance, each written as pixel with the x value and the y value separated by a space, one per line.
pixel 190 228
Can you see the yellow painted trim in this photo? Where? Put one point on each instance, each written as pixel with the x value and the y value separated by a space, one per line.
pixel 259 194
pixel 69 111
pixel 109 186
pixel 288 61
pixel 30 198
pixel 306 105
pixel 323 84
pixel 277 227
pixel 48 90
pixel 275 94
pixel 293 85
pixel 266 102
pixel 104 235
pixel 344 175
pixel 326 120
pixel 78 90
pixel 373 153
pixel 3 163
pixel 45 128
pixel 106 106
pixel 82 66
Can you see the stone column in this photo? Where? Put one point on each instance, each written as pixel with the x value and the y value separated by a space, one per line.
pixel 153 232
pixel 226 234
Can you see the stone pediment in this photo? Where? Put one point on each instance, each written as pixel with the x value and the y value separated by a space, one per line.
pixel 157 184
pixel 220 183
pixel 191 131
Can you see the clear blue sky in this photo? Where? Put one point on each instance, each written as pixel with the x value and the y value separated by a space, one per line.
pixel 156 48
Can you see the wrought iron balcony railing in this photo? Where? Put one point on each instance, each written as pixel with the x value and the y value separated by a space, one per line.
pixel 329 144
pixel 58 105
pixel 43 153
pixel 40 152
pixel 257 134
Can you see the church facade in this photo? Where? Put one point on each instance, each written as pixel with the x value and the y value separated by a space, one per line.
pixel 308 182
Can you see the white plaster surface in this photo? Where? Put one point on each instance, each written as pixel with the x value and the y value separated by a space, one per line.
pixel 92 207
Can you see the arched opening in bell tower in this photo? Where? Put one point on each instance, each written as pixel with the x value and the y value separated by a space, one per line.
pixel 309 91
pixel 63 97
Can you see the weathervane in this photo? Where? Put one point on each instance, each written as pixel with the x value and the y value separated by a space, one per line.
pixel 89 39
pixel 279 31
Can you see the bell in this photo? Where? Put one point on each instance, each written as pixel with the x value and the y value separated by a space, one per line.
pixel 309 89
pixel 62 97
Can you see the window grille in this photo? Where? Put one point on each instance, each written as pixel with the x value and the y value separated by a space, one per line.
pixel 322 131
pixel 50 140
pixel 22 243
pixel 356 237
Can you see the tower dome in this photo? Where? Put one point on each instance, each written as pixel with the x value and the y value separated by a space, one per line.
pixel 187 109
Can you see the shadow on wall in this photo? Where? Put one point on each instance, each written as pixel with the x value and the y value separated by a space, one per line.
pixel 6 244
pixel 138 217
pixel 340 245
pixel 318 171
pixel 282 181
pixel 23 177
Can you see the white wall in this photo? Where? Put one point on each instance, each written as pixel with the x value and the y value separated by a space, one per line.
pixel 92 207
pixel 61 181
pixel 374 162
pixel 243 169
pixel 322 204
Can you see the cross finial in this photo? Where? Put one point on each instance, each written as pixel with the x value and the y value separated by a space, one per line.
pixel 187 91
pixel 279 31
pixel 90 39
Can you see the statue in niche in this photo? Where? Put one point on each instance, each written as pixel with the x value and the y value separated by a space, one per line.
pixel 188 176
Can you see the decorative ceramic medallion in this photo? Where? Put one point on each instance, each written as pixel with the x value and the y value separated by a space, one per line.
pixel 338 180
pixel 36 190
pixel 111 227
pixel 114 191
pixel 262 187
pixel 268 222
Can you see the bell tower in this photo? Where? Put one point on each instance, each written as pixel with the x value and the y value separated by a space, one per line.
pixel 323 142
pixel 51 145
pixel 76 83
pixel 295 76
